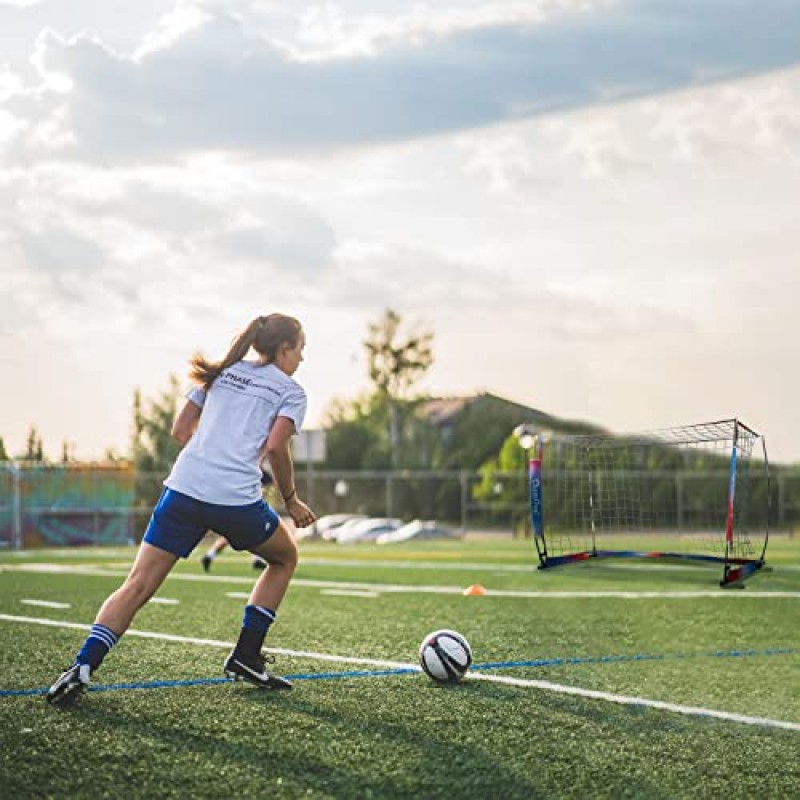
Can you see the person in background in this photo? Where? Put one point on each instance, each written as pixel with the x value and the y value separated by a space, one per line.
pixel 238 412
pixel 220 543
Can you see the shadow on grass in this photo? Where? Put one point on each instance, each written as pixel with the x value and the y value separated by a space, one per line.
pixel 313 746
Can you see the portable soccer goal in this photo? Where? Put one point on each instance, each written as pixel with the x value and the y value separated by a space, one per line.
pixel 703 489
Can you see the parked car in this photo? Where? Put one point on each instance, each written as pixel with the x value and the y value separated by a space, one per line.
pixel 326 527
pixel 366 530
pixel 418 529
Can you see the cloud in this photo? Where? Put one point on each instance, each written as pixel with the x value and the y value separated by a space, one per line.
pixel 296 242
pixel 707 128
pixel 211 83
pixel 86 248
pixel 327 31
pixel 58 251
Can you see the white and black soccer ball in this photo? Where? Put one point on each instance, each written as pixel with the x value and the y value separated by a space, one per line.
pixel 445 656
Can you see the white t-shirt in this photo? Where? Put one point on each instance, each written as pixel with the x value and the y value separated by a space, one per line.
pixel 221 462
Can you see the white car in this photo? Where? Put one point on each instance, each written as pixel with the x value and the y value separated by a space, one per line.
pixel 326 527
pixel 418 529
pixel 366 530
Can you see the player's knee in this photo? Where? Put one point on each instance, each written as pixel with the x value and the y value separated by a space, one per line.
pixel 295 556
pixel 288 556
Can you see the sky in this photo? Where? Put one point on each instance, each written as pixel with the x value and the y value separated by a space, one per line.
pixel 593 204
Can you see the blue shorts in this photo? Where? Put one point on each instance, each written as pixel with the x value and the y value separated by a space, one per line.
pixel 179 522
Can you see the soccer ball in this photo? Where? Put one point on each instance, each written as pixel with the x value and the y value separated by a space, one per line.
pixel 445 656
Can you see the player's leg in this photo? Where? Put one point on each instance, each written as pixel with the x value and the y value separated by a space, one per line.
pixel 280 553
pixel 151 567
pixel 219 545
pixel 175 528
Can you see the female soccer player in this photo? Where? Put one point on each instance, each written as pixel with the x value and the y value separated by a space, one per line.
pixel 238 412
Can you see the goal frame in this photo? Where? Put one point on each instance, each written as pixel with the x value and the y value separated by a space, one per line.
pixel 735 568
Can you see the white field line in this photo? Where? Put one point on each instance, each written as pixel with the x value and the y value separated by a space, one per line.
pixel 576 691
pixel 339 592
pixel 74 552
pixel 436 565
pixel 44 603
pixel 169 637
pixel 486 566
pixel 463 566
pixel 390 564
pixel 695 711
pixel 415 589
pixel 164 601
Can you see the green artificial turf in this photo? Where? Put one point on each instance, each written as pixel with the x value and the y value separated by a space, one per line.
pixel 343 733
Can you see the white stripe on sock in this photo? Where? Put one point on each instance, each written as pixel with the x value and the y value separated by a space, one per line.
pixel 105 635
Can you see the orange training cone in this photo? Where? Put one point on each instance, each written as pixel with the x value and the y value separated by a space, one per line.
pixel 476 590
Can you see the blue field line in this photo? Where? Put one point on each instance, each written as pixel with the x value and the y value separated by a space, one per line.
pixel 382 673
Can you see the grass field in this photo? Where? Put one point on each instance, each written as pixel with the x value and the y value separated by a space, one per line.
pixel 615 679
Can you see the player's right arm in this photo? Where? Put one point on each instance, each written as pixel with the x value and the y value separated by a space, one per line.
pixel 186 422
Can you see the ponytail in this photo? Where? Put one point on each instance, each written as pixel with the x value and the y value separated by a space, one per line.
pixel 264 334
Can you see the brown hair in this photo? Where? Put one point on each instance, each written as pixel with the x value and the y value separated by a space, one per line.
pixel 264 334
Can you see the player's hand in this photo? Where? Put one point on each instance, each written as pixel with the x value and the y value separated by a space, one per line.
pixel 301 514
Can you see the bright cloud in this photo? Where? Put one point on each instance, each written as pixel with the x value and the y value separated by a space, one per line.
pixel 205 81
pixel 592 203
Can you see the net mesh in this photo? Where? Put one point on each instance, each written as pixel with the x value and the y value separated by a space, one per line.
pixel 673 482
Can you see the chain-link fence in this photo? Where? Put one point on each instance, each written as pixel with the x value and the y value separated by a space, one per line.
pixel 44 506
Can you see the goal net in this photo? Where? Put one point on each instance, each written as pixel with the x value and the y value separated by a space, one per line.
pixel 702 490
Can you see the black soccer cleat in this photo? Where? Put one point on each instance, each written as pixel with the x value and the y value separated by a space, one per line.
pixel 66 690
pixel 251 668
pixel 206 562
pixel 259 563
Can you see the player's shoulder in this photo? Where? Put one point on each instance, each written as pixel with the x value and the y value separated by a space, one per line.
pixel 275 376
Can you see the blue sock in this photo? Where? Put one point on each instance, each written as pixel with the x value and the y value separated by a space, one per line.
pixel 255 625
pixel 96 646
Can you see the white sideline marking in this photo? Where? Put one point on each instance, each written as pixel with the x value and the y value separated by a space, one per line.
pixel 558 688
pixel 45 603
pixel 405 564
pixel 394 587
pixel 341 592
pixel 695 711
pixel 437 565
pixel 164 601
pixel 170 637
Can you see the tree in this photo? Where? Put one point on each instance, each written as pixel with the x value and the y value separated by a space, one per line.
pixel 4 456
pixel 34 448
pixel 511 459
pixel 504 482
pixel 67 452
pixel 153 449
pixel 396 360
pixel 356 434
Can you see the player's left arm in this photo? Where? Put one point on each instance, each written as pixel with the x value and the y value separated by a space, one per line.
pixel 186 422
pixel 280 459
